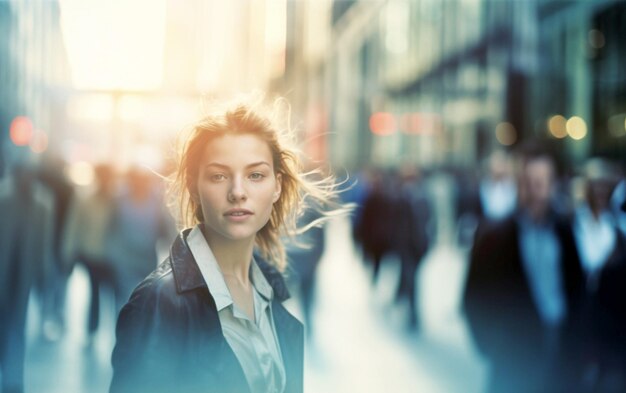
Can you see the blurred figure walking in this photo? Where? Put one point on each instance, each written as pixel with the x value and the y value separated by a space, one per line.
pixel 524 287
pixel 375 228
pixel 140 221
pixel 25 252
pixel 52 287
pixel 411 236
pixel 86 237
pixel 602 247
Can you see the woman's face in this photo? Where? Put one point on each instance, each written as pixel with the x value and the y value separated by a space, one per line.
pixel 237 187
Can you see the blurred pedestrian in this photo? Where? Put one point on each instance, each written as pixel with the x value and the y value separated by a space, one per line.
pixel 602 354
pixel 52 288
pixel 375 229
pixel 412 236
pixel 524 287
pixel 25 253
pixel 210 318
pixel 139 221
pixel 87 236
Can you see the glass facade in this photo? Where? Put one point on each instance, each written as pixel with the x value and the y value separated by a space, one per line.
pixel 472 65
pixel 33 74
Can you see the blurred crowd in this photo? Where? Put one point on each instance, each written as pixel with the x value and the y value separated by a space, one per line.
pixel 544 296
pixel 112 226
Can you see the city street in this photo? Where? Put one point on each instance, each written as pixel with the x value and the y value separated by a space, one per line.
pixel 358 342
pixel 111 112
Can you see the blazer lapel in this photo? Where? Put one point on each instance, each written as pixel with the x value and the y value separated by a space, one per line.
pixel 189 282
pixel 291 338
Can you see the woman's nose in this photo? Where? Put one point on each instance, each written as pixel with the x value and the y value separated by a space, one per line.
pixel 237 191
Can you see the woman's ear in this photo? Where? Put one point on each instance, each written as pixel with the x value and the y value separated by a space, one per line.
pixel 279 187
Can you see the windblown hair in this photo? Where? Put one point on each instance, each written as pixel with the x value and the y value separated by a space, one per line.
pixel 299 190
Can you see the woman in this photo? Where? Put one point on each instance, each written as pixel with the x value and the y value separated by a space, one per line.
pixel 210 318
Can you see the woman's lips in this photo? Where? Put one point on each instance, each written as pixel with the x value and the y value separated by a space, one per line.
pixel 238 214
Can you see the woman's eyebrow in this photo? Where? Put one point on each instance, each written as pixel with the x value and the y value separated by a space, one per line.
pixel 217 165
pixel 258 163
pixel 226 167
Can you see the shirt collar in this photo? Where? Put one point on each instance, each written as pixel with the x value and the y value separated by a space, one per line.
pixel 260 282
pixel 209 268
pixel 212 274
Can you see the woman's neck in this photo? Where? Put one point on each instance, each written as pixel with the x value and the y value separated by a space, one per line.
pixel 233 257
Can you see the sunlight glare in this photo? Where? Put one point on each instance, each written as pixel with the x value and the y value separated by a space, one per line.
pixel 114 44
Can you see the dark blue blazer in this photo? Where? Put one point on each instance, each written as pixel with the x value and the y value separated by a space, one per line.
pixel 501 314
pixel 169 337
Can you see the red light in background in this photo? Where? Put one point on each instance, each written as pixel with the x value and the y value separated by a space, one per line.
pixel 21 131
pixel 383 123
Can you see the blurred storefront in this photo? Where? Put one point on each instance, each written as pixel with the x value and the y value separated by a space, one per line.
pixel 33 72
pixel 444 83
pixel 371 82
pixel 583 55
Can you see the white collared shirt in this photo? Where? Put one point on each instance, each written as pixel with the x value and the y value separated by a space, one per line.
pixel 254 343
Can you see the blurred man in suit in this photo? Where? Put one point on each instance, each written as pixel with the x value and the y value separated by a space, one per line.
pixel 524 285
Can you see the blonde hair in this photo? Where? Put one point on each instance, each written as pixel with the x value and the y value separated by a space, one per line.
pixel 251 115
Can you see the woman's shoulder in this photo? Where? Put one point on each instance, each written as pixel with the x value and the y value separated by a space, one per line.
pixel 158 287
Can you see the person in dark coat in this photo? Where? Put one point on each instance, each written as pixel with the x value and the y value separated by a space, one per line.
pixel 170 339
pixel 600 247
pixel 524 287
pixel 375 228
pixel 609 306
pixel 412 237
pixel 52 287
pixel 210 318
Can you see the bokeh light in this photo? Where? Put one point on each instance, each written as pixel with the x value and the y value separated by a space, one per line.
pixel 576 128
pixel 80 173
pixel 506 133
pixel 383 123
pixel 21 131
pixel 556 126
